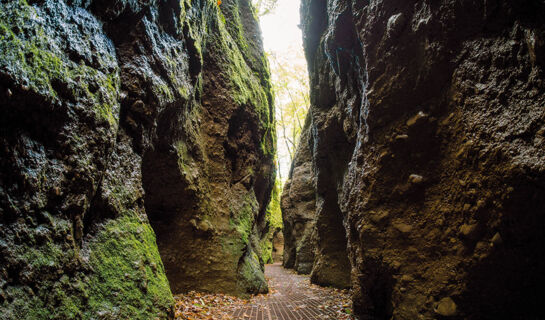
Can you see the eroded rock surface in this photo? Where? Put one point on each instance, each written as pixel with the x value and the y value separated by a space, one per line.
pixel 299 208
pixel 277 246
pixel 429 144
pixel 120 121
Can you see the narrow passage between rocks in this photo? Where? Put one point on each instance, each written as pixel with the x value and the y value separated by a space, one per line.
pixel 291 296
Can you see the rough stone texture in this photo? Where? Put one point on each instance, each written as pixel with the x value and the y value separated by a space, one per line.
pixel 120 120
pixel 272 240
pixel 298 204
pixel 278 246
pixel 429 143
pixel 210 217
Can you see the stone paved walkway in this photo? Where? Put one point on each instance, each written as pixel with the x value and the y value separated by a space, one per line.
pixel 293 297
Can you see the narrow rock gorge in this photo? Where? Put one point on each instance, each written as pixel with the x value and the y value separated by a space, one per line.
pixel 423 161
pixel 137 142
pixel 138 160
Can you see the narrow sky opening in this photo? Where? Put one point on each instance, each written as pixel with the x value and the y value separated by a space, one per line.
pixel 280 27
pixel 284 46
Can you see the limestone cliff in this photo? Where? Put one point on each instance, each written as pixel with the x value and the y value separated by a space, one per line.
pixel 428 131
pixel 121 121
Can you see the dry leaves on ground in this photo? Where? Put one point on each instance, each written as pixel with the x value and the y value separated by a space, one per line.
pixel 203 306
pixel 336 300
pixel 198 306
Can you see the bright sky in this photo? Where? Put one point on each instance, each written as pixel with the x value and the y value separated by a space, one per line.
pixel 280 29
pixel 282 37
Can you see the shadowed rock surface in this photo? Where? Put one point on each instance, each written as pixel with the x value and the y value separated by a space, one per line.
pixel 314 241
pixel 119 121
pixel 428 151
pixel 278 246
pixel 299 208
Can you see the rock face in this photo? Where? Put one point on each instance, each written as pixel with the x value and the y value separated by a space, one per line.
pixel 314 237
pixel 119 121
pixel 271 242
pixel 278 246
pixel 299 208
pixel 428 146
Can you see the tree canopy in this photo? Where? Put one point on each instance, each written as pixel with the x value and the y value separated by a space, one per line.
pixel 264 7
pixel 291 89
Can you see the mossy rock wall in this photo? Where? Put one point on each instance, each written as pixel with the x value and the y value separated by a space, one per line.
pixel 134 136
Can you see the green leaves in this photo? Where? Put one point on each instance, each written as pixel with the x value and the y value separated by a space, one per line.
pixel 291 90
pixel 264 7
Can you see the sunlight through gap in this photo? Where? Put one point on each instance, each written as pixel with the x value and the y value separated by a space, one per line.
pixel 284 47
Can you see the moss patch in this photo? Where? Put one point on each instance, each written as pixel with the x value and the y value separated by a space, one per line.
pixel 274 212
pixel 274 218
pixel 129 280
pixel 250 274
pixel 242 218
pixel 29 52
pixel 247 87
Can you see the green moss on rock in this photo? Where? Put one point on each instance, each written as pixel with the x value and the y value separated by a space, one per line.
pixel 55 298
pixel 246 85
pixel 242 218
pixel 124 277
pixel 29 52
pixel 250 274
pixel 274 219
pixel 129 280
pixel 265 246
